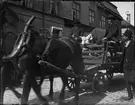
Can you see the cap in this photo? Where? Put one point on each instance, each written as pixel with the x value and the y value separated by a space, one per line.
pixel 128 33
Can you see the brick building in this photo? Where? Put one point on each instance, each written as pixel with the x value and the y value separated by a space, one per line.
pixel 61 14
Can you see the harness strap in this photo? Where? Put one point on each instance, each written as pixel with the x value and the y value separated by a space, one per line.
pixel 71 48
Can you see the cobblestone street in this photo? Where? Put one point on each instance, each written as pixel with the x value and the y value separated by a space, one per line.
pixel 117 91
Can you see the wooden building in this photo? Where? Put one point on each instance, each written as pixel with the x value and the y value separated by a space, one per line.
pixel 61 14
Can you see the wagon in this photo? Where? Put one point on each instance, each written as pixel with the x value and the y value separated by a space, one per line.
pixel 99 60
pixel 111 63
pixel 96 59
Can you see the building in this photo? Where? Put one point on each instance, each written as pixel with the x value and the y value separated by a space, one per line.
pixel 61 14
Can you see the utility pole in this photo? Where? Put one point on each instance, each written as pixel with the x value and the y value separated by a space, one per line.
pixel 128 16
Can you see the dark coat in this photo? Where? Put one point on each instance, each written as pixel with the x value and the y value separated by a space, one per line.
pixel 128 58
pixel 112 32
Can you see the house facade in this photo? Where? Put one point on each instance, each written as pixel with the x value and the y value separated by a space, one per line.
pixel 61 14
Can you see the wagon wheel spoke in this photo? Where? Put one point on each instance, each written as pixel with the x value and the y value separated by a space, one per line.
pixel 71 83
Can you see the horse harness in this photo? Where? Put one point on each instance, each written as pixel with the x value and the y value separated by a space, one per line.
pixel 71 47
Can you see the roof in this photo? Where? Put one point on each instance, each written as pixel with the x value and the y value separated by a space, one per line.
pixel 112 8
pixel 126 24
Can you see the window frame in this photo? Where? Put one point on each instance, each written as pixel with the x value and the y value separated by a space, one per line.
pixel 76 8
pixel 91 17
pixel 102 21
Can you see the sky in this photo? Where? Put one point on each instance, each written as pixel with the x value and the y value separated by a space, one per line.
pixel 122 7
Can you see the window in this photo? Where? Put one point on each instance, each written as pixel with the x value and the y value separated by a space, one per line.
pixel 26 3
pixel 30 3
pixel 102 22
pixel 91 17
pixel 54 7
pixel 17 2
pixel 76 11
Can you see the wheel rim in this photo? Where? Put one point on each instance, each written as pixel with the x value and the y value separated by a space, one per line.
pixel 71 83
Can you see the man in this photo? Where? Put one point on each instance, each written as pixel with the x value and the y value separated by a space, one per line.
pixel 128 61
pixel 76 31
pixel 112 32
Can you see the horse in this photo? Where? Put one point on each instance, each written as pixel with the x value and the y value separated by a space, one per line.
pixel 6 46
pixel 59 52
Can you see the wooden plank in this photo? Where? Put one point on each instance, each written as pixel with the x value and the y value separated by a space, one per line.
pixel 94 45
pixel 93 51
pixel 92 58
pixel 93 62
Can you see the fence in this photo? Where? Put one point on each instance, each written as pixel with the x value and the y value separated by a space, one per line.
pixel 93 54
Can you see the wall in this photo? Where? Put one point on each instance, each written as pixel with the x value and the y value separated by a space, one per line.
pixel 25 14
pixel 84 12
pixel 65 11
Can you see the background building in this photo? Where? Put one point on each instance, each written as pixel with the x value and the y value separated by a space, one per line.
pixel 61 14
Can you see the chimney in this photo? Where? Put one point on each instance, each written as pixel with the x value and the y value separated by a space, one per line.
pixel 128 16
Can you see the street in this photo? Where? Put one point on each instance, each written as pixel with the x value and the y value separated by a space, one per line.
pixel 114 96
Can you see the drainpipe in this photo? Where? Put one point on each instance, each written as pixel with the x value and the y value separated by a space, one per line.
pixel 43 14
pixel 1 32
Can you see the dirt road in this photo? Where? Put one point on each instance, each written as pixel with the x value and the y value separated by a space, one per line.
pixel 113 96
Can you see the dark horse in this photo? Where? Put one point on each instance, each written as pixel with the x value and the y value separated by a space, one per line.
pixel 6 45
pixel 59 52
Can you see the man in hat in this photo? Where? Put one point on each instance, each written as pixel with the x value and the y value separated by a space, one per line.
pixel 76 31
pixel 128 63
pixel 112 32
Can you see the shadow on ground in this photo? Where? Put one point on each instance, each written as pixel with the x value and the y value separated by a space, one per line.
pixel 117 83
pixel 88 98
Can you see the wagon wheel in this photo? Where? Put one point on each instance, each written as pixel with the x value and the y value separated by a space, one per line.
pixel 71 83
pixel 109 74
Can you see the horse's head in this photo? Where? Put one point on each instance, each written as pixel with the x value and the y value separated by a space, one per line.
pixel 38 40
pixel 31 40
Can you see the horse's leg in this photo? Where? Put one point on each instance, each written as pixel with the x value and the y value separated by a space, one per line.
pixel 65 82
pixel 78 67
pixel 2 89
pixel 30 81
pixel 18 95
pixel 37 89
pixel 51 86
pixel 5 78
pixel 26 87
pixel 77 88
pixel 41 81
